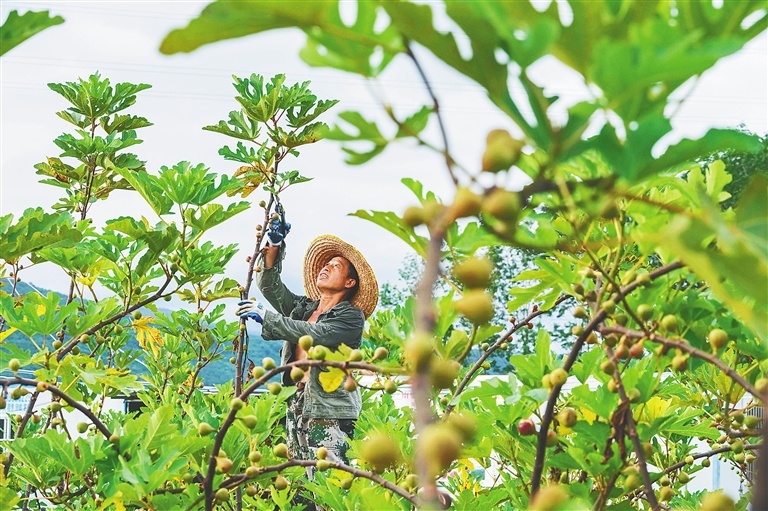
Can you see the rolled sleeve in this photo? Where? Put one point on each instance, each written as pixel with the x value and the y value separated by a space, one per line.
pixel 276 293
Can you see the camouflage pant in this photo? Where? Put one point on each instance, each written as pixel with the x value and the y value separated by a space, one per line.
pixel 305 435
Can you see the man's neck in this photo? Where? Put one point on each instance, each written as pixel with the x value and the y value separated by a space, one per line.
pixel 327 302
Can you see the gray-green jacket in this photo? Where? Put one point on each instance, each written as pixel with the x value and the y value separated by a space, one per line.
pixel 342 324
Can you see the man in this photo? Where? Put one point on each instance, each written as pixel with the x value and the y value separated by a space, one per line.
pixel 341 292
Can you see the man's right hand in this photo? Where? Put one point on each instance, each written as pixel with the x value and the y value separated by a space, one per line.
pixel 278 228
pixel 253 309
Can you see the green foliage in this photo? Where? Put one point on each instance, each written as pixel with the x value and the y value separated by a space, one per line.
pixel 613 220
pixel 287 114
pixel 630 237
pixel 18 28
pixel 108 338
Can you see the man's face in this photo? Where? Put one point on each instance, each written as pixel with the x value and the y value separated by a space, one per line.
pixel 334 275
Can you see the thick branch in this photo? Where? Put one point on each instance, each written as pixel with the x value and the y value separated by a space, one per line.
pixel 504 338
pixel 538 467
pixel 420 381
pixel 63 395
pixel 238 479
pixel 632 427
pixel 684 346
pixel 73 342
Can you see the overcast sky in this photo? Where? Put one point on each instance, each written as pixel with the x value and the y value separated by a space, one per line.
pixel 121 40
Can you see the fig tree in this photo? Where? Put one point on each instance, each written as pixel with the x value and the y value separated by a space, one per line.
pixel 567 417
pixel 558 377
pixel 636 350
pixel 717 501
pixel 418 350
pixel 350 385
pixel 236 404
pixel 644 311
pixel 502 151
pixel 680 363
pixel 608 367
pixel 464 423
pixel 580 313
pixel 549 498
pixel 643 278
pixel 305 342
pixel 297 373
pixel 390 387
pixel 380 451
pixel 717 338
pixel 411 482
pixel 443 373
pixel 223 465
pixel 465 203
pixel 632 482
pixel 751 421
pixel 666 493
pixel 474 272
pixel 280 450
pixel 222 495
pixel 414 216
pixel 669 323
pixel 250 421
pixel 502 204
pixel 441 445
pixel 552 438
pixel 476 306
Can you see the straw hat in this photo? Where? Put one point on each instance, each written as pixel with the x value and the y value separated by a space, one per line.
pixel 326 247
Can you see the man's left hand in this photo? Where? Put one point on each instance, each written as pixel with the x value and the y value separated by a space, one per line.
pixel 253 309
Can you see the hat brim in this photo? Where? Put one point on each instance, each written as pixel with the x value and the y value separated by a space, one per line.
pixel 324 248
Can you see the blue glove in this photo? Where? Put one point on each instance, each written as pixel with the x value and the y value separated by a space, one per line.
pixel 278 228
pixel 251 309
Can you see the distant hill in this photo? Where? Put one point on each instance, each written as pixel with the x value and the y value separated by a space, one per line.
pixel 215 373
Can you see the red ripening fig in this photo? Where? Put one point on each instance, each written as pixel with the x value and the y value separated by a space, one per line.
pixel 526 427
